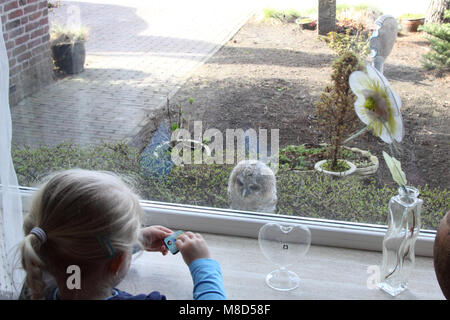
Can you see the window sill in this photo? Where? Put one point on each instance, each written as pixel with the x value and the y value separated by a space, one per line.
pixel 325 273
pixel 247 224
pixel 330 270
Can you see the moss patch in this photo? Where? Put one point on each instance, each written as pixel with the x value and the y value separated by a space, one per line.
pixel 340 166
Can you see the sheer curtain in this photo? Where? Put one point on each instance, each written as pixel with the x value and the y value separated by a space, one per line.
pixel 10 202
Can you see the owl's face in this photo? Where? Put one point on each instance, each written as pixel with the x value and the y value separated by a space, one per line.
pixel 249 182
pixel 252 187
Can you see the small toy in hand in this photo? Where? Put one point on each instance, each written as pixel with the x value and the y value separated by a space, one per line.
pixel 170 241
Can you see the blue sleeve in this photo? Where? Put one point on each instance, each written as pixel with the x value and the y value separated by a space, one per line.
pixel 208 281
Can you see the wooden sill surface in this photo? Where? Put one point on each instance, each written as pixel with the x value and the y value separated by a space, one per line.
pixel 325 272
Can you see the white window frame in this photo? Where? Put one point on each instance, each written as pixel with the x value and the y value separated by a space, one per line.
pixel 324 232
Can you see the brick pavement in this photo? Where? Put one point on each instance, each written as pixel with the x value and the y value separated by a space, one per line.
pixel 138 53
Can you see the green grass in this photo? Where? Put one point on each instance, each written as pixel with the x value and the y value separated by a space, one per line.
pixel 299 194
pixel 356 7
pixel 296 157
pixel 284 15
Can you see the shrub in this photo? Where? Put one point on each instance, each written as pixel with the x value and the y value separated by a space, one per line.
pixel 439 57
pixel 53 4
pixel 341 43
pixel 335 108
pixel 349 26
pixel 63 35
pixel 357 18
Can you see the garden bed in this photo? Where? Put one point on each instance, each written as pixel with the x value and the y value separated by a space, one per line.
pixel 269 75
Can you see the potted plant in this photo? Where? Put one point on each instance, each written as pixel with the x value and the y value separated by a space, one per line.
pixel 68 48
pixel 302 158
pixel 410 22
pixel 336 114
pixel 306 23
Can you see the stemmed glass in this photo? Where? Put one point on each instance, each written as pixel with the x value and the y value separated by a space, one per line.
pixel 284 245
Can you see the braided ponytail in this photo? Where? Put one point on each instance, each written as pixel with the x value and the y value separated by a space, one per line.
pixel 75 208
pixel 33 265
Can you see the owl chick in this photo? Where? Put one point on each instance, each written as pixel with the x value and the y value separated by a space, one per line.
pixel 252 187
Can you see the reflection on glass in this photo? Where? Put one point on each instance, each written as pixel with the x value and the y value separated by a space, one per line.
pixel 161 100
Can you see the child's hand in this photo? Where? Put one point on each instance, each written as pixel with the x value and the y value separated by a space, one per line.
pixel 153 238
pixel 192 247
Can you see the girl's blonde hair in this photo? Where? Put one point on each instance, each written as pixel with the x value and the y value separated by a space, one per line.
pixel 83 213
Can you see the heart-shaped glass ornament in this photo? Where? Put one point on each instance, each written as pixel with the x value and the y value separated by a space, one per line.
pixel 284 245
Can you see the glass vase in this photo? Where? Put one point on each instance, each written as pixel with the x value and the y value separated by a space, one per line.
pixel 399 241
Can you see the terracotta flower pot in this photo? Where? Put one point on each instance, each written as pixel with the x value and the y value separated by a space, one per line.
pixel 411 25
pixel 441 254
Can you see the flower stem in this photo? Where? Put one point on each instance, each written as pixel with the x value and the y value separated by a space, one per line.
pixel 391 152
pixel 357 134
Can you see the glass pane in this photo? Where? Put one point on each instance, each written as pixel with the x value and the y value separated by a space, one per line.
pixel 175 94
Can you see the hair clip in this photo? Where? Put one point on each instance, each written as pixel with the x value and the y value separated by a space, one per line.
pixel 106 246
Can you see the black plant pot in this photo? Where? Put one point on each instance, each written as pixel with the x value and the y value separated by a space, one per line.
pixel 70 57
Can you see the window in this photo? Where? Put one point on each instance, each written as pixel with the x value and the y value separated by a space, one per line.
pixel 227 86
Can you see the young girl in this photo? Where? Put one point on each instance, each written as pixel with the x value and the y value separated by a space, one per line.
pixel 90 221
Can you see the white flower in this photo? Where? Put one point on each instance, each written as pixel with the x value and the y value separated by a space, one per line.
pixel 377 105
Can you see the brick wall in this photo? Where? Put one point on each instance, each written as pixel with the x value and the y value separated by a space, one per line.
pixel 26 32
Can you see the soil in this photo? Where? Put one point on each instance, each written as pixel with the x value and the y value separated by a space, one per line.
pixel 270 74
